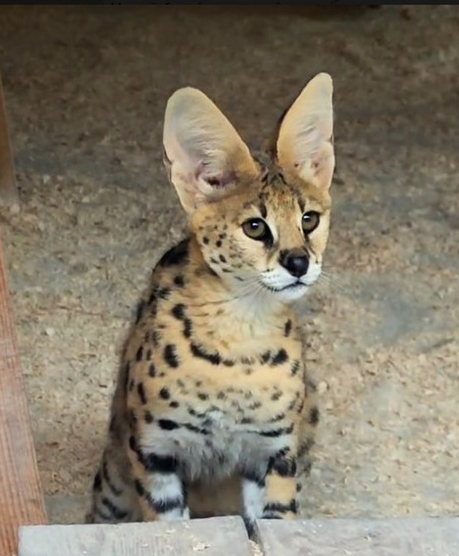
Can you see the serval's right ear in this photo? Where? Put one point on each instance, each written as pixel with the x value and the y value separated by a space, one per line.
pixel 204 155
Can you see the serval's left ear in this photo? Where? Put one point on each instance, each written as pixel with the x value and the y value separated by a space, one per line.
pixel 305 141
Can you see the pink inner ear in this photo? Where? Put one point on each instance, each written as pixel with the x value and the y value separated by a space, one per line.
pixel 214 181
pixel 217 181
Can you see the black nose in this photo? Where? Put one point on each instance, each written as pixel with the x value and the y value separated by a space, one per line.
pixel 296 263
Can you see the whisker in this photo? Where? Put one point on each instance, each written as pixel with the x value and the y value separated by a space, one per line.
pixel 334 282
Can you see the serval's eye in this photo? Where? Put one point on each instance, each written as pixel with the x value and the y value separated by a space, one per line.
pixel 256 228
pixel 309 221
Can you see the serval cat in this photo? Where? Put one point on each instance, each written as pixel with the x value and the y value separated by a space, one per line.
pixel 212 394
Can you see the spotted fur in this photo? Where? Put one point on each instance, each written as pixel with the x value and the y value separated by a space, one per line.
pixel 213 410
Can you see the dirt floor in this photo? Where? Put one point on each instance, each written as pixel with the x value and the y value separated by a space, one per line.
pixel 86 89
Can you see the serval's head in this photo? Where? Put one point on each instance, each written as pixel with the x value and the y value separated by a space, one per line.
pixel 261 221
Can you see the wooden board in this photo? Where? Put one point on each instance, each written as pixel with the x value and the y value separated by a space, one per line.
pixel 355 537
pixel 21 500
pixel 225 536
pixel 8 190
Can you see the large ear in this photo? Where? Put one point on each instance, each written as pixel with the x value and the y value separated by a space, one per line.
pixel 305 142
pixel 204 155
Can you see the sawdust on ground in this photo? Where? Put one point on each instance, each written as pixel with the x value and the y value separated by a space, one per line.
pixel 86 89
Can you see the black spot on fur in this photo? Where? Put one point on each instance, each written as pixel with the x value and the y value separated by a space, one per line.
pixel 203 396
pixel 205 240
pixel 131 385
pixel 141 392
pixel 179 311
pixel 247 360
pixel 164 393
pixel 198 351
pixel 139 488
pixel 126 372
pixel 160 464
pixel 170 356
pixel 114 510
pixel 295 367
pixel 287 328
pixel 313 418
pixel 179 281
pixel 148 355
pixel 277 418
pixel 152 370
pixel 167 424
pixel 280 357
pixel 193 428
pixel 148 417
pixel 273 433
pixel 164 505
pixel 265 357
pixel 218 244
pixel 133 444
pixel 174 404
pixel 163 293
pixel 187 328
pixel 283 466
pixel 276 508
pixel 263 210
pixel 221 396
pixel 255 477
pixel 176 255
pixel 276 396
pixel 155 337
pixel 139 354
pixel 222 258
pixel 139 311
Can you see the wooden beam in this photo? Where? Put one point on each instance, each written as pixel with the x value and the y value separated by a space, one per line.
pixel 221 536
pixel 360 537
pixel 21 500
pixel 8 189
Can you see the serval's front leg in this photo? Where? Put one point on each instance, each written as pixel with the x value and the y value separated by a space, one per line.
pixel 280 487
pixel 160 489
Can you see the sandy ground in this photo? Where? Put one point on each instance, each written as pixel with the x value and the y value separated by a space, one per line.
pixel 86 89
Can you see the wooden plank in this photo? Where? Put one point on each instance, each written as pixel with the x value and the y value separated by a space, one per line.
pixel 21 500
pixel 356 537
pixel 8 189
pixel 219 536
